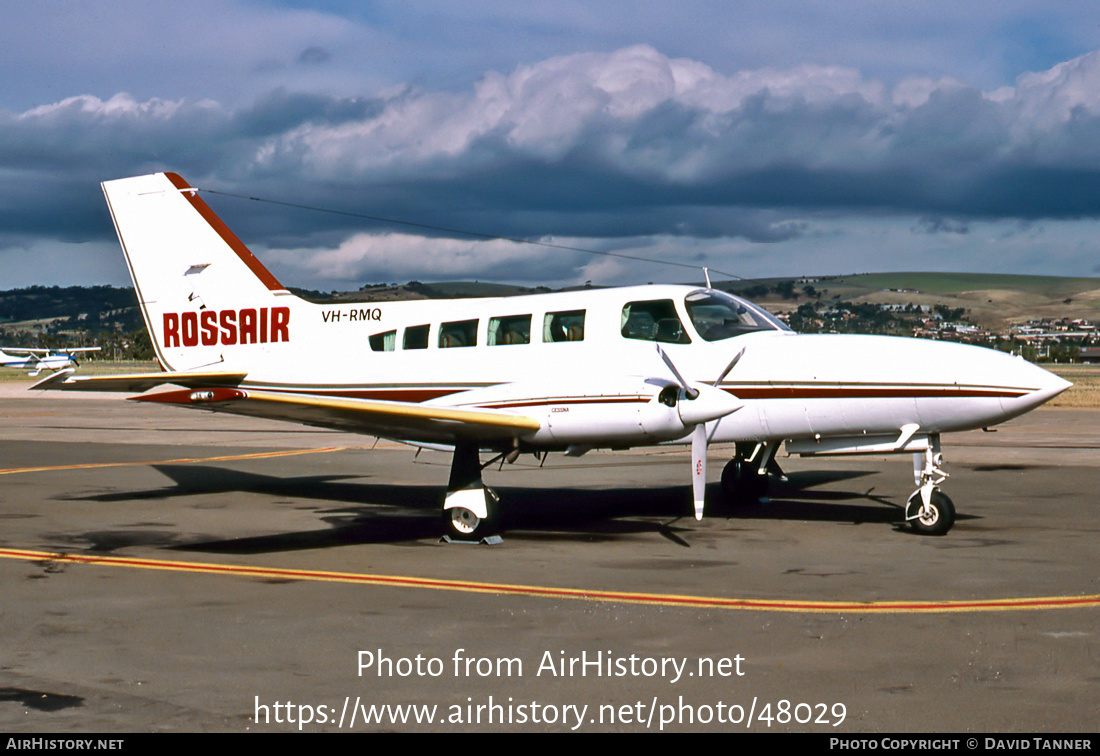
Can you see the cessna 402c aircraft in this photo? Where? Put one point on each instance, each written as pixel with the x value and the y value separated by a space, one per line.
pixel 569 372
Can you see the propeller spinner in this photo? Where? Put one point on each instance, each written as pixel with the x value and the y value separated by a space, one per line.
pixel 701 405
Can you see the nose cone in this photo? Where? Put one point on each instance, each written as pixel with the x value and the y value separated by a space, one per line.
pixel 1019 385
pixel 1041 386
pixel 888 382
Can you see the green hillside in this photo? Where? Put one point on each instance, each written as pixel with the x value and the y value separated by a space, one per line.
pixel 1052 287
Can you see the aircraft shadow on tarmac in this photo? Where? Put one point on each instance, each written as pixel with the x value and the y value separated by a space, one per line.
pixel 368 512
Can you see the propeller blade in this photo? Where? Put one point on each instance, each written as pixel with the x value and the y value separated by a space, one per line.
pixel 699 467
pixel 689 392
pixel 736 358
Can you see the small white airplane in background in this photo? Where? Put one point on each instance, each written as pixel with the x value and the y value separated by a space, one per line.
pixel 37 360
pixel 559 372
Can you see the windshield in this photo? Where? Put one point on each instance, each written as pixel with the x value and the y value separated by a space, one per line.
pixel 717 315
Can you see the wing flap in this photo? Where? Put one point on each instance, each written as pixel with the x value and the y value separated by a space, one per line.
pixel 399 420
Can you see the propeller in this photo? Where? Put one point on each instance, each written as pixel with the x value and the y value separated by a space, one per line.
pixel 689 392
pixel 736 358
pixel 707 403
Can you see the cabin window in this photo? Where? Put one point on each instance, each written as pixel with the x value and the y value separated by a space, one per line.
pixel 655 320
pixel 384 342
pixel 563 326
pixel 515 329
pixel 416 337
pixel 717 315
pixel 458 333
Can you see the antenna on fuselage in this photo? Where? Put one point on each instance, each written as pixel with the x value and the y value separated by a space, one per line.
pixel 706 275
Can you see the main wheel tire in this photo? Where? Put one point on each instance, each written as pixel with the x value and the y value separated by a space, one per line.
pixel 938 520
pixel 462 524
pixel 742 484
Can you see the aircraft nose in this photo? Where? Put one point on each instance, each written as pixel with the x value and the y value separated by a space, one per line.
pixel 1042 386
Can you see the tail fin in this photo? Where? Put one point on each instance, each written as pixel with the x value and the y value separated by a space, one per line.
pixel 205 297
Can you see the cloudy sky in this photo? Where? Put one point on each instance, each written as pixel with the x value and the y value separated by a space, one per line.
pixel 758 138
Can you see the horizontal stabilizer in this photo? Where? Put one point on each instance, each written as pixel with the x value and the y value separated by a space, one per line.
pixel 135 382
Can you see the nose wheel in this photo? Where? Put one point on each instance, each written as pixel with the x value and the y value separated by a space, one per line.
pixel 929 510
pixel 934 518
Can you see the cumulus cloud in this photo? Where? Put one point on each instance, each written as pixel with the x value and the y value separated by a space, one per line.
pixel 596 146
pixel 395 256
pixel 634 122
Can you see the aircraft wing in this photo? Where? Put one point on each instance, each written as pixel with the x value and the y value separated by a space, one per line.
pixel 64 380
pixel 405 421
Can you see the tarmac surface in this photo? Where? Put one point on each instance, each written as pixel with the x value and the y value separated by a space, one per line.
pixel 166 570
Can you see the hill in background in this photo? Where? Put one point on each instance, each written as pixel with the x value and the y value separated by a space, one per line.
pixel 992 300
pixel 106 316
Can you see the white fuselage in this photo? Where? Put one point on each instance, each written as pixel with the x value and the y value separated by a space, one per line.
pixel 593 385
pixel 557 371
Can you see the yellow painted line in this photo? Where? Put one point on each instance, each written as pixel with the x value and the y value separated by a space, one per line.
pixel 578 594
pixel 182 461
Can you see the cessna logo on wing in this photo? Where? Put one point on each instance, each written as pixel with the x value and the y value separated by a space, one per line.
pixel 256 325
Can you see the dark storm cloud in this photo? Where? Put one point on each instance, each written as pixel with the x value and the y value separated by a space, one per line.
pixel 617 145
pixel 279 111
pixel 616 140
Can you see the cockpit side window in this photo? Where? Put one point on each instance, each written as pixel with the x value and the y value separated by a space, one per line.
pixel 655 320
pixel 717 315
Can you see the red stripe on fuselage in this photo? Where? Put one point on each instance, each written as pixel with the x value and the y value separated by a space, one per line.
pixel 419 395
pixel 568 400
pixel 874 392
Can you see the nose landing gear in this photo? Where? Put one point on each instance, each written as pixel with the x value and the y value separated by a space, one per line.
pixel 929 511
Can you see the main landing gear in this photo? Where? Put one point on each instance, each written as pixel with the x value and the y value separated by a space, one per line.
pixel 929 511
pixel 470 508
pixel 745 477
